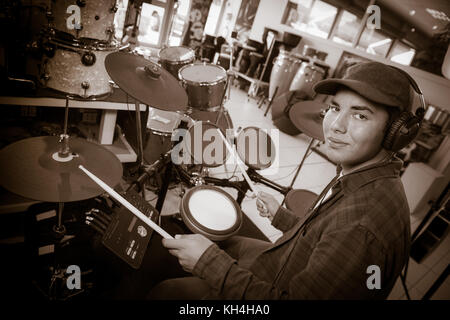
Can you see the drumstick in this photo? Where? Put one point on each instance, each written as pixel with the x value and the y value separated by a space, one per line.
pixel 244 173
pixel 128 205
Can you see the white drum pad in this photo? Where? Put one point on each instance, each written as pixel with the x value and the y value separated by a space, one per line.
pixel 212 210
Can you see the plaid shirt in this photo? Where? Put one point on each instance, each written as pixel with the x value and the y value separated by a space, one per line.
pixel 365 223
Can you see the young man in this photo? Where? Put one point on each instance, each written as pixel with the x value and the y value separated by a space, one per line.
pixel 353 242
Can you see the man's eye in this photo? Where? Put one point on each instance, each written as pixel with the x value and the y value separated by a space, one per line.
pixel 360 116
pixel 334 107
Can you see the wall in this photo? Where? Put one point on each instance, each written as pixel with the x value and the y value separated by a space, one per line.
pixel 269 13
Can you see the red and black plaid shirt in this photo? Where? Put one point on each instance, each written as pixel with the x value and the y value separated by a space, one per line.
pixel 365 223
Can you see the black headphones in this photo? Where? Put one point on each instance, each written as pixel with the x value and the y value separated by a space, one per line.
pixel 405 127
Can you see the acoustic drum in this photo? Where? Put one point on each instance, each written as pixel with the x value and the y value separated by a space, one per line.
pixel 205 85
pixel 77 69
pixel 255 148
pixel 306 77
pixel 161 125
pixel 204 138
pixel 173 58
pixel 210 211
pixel 284 68
pixel 96 18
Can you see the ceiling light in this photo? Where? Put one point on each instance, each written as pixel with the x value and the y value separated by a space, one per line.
pixel 412 12
pixel 435 27
pixel 413 29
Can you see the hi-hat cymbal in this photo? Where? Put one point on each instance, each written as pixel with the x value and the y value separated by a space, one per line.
pixel 28 168
pixel 307 117
pixel 146 82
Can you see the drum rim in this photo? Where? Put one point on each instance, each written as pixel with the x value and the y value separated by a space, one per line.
pixel 237 149
pixel 202 83
pixel 177 61
pixel 191 222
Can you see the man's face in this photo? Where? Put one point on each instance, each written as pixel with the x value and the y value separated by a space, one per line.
pixel 354 129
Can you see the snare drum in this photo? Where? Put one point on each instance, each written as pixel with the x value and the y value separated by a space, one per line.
pixel 255 148
pixel 205 145
pixel 174 58
pixel 77 70
pixel 96 18
pixel 211 212
pixel 204 84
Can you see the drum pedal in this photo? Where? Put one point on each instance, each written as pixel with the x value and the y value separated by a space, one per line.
pixel 126 235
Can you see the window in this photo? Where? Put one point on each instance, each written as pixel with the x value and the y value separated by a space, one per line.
pixel 213 17
pixel 150 24
pixel 315 17
pixel 374 42
pixel 179 23
pixel 401 53
pixel 347 28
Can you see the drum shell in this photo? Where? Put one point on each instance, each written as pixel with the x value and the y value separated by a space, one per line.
pixel 204 95
pixel 196 227
pixel 305 78
pixel 96 17
pixel 284 68
pixel 66 72
pixel 171 58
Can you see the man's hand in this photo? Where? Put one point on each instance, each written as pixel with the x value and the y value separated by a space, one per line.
pixel 188 248
pixel 267 205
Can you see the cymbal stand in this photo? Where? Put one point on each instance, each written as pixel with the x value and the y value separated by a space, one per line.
pixel 64 154
pixel 139 133
pixel 305 155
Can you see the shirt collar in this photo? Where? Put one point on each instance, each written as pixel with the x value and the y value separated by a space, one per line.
pixel 356 179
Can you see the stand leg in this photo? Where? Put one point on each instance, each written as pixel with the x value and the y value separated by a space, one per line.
pixel 270 101
pixel 165 186
pixel 300 166
pixel 139 134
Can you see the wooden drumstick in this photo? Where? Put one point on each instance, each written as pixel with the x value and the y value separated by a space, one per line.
pixel 244 173
pixel 128 205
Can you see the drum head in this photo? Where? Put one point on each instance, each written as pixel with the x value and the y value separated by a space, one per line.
pixel 177 54
pixel 211 211
pixel 205 146
pixel 256 148
pixel 202 74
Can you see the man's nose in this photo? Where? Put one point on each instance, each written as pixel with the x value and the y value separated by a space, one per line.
pixel 340 123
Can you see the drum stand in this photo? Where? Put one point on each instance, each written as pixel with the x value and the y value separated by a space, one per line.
pixel 305 155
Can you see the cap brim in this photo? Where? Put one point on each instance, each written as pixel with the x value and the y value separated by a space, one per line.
pixel 331 86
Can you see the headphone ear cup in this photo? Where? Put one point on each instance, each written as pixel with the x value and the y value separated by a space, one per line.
pixel 402 131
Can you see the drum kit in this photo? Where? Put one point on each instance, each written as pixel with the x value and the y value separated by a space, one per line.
pixel 180 94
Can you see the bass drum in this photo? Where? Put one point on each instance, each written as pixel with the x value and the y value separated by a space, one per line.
pixel 211 212
pixel 205 85
pixel 78 71
pixel 174 58
pixel 96 18
pixel 205 145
